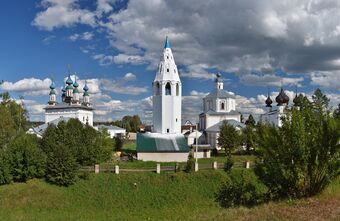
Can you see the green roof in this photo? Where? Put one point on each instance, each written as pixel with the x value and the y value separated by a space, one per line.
pixel 155 142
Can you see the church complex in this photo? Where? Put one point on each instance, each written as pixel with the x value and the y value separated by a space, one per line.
pixel 165 142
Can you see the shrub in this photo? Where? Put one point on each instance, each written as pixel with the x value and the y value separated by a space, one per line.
pixel 27 160
pixel 190 166
pixel 228 164
pixel 241 188
pixel 61 166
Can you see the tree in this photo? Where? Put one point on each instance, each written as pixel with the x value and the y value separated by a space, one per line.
pixel 27 160
pixel 118 143
pixel 229 138
pixel 302 157
pixel 251 121
pixel 336 112
pixel 61 166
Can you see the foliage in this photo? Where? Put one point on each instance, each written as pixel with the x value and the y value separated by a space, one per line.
pixel 229 138
pixel 61 166
pixel 118 143
pixel 228 164
pixel 190 166
pixel 5 171
pixel 130 123
pixel 251 121
pixel 302 157
pixel 241 188
pixel 86 144
pixel 27 160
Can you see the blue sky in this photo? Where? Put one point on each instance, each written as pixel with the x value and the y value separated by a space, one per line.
pixel 256 45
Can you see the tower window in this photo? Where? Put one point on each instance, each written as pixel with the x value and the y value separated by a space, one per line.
pixel 168 89
pixel 167 70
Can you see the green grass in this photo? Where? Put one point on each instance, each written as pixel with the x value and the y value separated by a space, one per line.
pixel 167 196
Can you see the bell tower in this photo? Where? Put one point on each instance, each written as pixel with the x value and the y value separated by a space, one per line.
pixel 167 95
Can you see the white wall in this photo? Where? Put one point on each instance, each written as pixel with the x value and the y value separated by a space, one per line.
pixel 82 115
pixel 163 157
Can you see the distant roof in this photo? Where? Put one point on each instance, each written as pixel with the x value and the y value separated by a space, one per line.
pixel 220 93
pixel 41 129
pixel 216 127
pixel 68 106
pixel 111 127
pixel 211 112
pixel 155 142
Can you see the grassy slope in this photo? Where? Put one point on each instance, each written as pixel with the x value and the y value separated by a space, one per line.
pixel 167 196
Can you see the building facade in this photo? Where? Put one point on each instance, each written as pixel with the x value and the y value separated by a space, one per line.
pixel 218 106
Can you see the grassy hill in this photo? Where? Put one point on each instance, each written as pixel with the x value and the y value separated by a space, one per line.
pixel 149 196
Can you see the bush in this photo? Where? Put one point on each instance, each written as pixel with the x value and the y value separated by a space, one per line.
pixel 61 166
pixel 190 166
pixel 27 160
pixel 228 164
pixel 5 172
pixel 241 188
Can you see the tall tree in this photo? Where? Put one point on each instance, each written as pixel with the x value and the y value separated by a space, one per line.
pixel 229 138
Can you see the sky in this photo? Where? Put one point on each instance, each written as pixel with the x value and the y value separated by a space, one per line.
pixel 257 46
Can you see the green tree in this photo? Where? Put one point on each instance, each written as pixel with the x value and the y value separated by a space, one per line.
pixel 61 166
pixel 229 138
pixel 251 121
pixel 27 160
pixel 5 168
pixel 302 157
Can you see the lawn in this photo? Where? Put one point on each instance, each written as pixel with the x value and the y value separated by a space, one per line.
pixel 150 196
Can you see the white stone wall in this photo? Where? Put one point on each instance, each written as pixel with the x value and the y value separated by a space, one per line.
pixel 83 115
pixel 163 157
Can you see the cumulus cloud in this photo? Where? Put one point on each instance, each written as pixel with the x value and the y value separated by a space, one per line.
pixel 28 86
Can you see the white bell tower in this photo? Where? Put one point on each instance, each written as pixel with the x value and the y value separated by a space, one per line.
pixel 167 95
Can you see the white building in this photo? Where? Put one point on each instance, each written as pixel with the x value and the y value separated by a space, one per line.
pixel 218 106
pixel 165 143
pixel 113 130
pixel 71 106
pixel 274 116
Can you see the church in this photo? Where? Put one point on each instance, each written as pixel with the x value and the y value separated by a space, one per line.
pixel 165 143
pixel 273 116
pixel 218 106
pixel 71 106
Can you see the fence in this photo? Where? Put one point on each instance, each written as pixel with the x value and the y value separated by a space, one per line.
pixel 159 168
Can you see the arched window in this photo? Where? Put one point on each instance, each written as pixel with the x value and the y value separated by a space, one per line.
pixel 177 89
pixel 168 89
pixel 222 106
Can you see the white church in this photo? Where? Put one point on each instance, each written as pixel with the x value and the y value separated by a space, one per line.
pixel 218 106
pixel 165 143
pixel 71 106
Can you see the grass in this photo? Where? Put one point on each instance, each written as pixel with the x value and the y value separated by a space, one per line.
pixel 167 196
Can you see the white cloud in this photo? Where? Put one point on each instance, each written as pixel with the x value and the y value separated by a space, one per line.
pixel 28 86
pixel 58 13
pixel 86 36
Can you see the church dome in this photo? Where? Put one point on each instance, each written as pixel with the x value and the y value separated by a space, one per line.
pixel 282 98
pixel 269 101
pixel 69 80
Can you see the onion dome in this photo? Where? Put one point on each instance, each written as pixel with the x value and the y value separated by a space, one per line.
pixel 69 80
pixel 281 99
pixel 86 89
pixel 52 86
pixel 269 102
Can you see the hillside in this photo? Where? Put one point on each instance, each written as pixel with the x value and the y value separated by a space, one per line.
pixel 149 196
